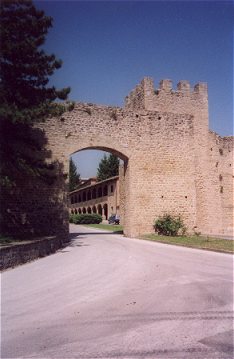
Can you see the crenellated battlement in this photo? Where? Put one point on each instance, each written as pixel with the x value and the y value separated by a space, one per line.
pixel 164 98
pixel 183 87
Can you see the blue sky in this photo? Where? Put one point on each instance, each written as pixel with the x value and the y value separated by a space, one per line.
pixel 107 47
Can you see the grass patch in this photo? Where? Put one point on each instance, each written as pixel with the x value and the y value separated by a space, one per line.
pixel 4 241
pixel 109 227
pixel 9 241
pixel 214 244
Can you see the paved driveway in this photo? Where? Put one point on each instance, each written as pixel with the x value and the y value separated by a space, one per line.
pixel 106 296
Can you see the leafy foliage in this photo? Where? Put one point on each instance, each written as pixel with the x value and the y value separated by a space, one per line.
pixel 169 225
pixel 25 96
pixel 85 218
pixel 108 167
pixel 74 176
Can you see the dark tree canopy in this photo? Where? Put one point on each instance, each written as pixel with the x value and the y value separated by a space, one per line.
pixel 74 176
pixel 25 94
pixel 108 167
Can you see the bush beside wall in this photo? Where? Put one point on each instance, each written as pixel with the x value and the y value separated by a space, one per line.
pixel 85 218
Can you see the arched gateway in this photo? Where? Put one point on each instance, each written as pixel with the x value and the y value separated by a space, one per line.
pixel 170 156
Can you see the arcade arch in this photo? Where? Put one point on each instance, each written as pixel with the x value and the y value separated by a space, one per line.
pixel 99 209
pixel 105 209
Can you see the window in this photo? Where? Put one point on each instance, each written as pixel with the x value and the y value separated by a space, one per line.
pixel 99 192
pixel 105 190
pixel 94 195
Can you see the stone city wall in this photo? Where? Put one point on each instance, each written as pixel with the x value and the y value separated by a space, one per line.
pixel 163 138
pixel 221 179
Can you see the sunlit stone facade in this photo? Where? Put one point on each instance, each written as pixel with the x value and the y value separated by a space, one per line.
pixel 173 163
pixel 96 197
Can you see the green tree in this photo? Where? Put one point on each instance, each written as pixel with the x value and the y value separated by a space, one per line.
pixel 25 96
pixel 74 176
pixel 108 167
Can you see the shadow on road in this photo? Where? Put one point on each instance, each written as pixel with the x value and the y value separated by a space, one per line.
pixel 75 242
pixel 74 235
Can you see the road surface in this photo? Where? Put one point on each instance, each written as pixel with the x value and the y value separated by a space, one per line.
pixel 106 296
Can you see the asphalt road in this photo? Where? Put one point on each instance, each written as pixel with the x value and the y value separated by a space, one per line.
pixel 106 296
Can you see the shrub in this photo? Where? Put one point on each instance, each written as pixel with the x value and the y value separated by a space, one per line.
pixel 86 218
pixel 168 225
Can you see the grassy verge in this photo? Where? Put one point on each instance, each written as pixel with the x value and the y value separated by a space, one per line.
pixel 5 241
pixel 108 227
pixel 9 241
pixel 214 244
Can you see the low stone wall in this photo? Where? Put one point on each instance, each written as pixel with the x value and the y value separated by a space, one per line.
pixel 14 255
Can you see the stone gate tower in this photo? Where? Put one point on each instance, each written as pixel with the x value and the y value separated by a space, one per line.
pixel 172 162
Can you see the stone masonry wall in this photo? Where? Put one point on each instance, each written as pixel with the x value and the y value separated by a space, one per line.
pixel 17 254
pixel 121 193
pixel 185 101
pixel 221 179
pixel 163 138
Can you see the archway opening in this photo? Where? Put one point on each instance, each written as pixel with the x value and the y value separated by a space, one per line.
pixel 95 192
pixel 105 209
pixel 99 209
